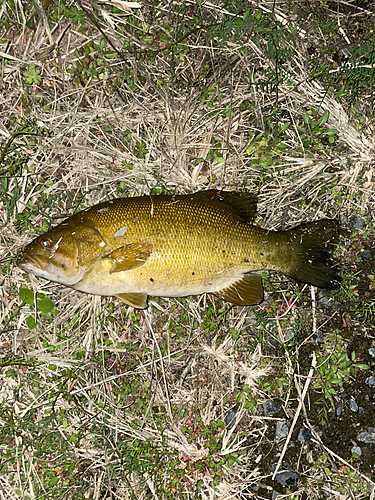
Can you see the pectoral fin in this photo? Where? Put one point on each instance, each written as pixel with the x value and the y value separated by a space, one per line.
pixel 128 257
pixel 137 300
pixel 244 292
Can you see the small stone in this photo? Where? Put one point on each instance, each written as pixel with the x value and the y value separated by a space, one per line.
pixel 325 301
pixel 361 410
pixel 357 450
pixel 364 254
pixel 282 430
pixel 304 435
pixel 230 419
pixel 343 219
pixel 285 475
pixel 353 405
pixel 367 436
pixel 371 351
pixel 370 381
pixel 274 342
pixel 270 407
pixel 288 335
pixel 356 222
pixel 343 395
pixel 317 338
pixel 339 410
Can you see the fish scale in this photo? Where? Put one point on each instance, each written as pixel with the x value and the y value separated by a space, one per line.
pixel 179 245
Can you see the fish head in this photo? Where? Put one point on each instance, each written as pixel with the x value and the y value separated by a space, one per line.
pixel 63 255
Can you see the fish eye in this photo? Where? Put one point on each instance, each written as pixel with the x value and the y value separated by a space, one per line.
pixel 46 243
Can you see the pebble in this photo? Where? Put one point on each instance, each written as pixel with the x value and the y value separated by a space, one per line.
pixel 270 407
pixel 325 301
pixel 353 405
pixel 230 419
pixel 356 222
pixel 371 351
pixel 357 450
pixel 282 430
pixel 288 335
pixel 370 380
pixel 285 475
pixel 339 410
pixel 304 435
pixel 317 338
pixel 361 410
pixel 367 436
pixel 364 254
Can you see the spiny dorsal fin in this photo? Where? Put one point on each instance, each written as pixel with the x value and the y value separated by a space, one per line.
pixel 128 257
pixel 244 292
pixel 242 204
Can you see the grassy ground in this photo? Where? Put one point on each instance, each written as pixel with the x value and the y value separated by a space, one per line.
pixel 107 99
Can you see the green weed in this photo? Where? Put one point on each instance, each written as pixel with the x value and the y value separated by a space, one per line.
pixel 42 305
pixel 334 367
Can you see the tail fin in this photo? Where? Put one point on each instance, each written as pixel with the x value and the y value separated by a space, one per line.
pixel 311 245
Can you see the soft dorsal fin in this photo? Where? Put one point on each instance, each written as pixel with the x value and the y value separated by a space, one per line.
pixel 128 257
pixel 244 205
pixel 244 292
pixel 137 300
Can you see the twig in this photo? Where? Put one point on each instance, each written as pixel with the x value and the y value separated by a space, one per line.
pixel 298 411
pixel 146 315
pixel 313 309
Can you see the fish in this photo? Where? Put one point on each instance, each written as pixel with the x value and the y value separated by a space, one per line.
pixel 180 245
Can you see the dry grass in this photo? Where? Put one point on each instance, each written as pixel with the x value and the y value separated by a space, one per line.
pixel 81 145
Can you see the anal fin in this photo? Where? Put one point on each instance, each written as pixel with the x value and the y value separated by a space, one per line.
pixel 137 300
pixel 244 292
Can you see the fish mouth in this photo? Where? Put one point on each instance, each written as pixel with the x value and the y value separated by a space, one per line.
pixel 28 263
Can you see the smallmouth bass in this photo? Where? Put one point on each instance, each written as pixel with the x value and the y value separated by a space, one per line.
pixel 173 246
